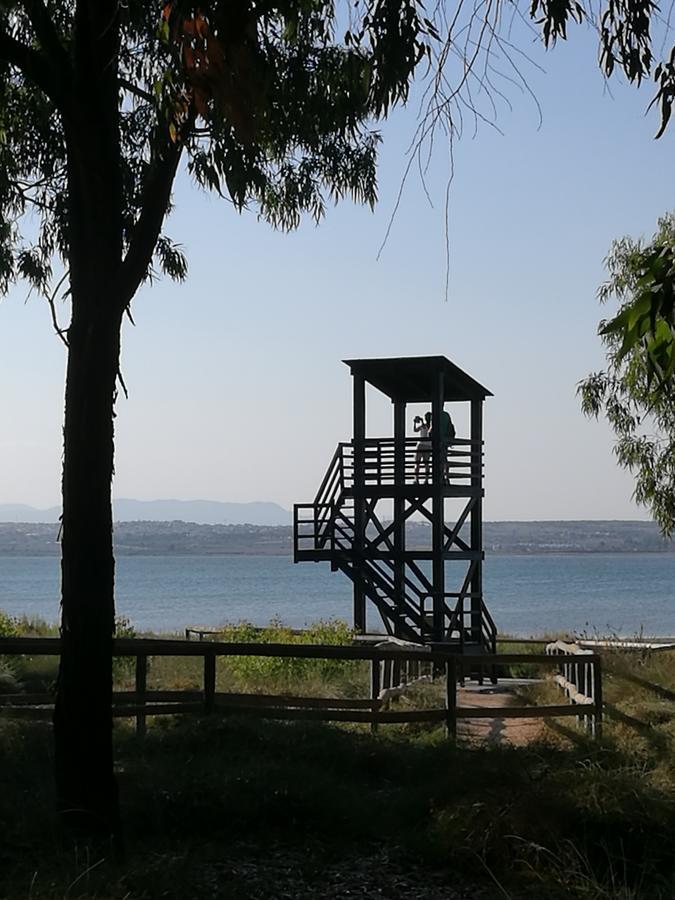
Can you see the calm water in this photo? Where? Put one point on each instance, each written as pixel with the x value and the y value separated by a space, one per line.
pixel 613 593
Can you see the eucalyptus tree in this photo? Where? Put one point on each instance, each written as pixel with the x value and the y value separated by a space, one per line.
pixel 272 103
pixel 636 390
pixel 100 103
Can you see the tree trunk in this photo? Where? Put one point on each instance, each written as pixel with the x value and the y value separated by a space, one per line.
pixel 86 788
pixel 85 782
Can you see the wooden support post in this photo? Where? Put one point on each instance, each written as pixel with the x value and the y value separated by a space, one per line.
pixel 451 697
pixel 209 681
pixel 387 666
pixel 141 687
pixel 597 696
pixel 399 512
pixel 395 672
pixel 437 510
pixel 359 412
pixel 476 524
pixel 374 690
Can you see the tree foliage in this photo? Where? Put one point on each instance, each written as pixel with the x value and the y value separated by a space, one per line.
pixel 636 391
pixel 269 105
pixel 271 102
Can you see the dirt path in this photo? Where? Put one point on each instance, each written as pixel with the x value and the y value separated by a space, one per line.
pixel 516 732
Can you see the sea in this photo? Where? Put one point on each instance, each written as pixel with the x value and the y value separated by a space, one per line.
pixel 624 594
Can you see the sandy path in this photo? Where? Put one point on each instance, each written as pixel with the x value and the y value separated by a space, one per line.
pixel 516 732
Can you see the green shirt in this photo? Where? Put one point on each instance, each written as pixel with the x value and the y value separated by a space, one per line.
pixel 447 429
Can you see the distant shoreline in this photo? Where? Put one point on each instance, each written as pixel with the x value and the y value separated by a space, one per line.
pixel 197 554
pixel 178 538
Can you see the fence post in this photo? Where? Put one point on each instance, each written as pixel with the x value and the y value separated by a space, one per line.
pixel 141 687
pixel 395 672
pixel 386 673
pixel 451 696
pixel 597 693
pixel 374 690
pixel 209 681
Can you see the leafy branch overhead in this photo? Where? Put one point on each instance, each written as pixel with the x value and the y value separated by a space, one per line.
pixel 266 103
pixel 646 324
pixel 271 103
pixel 636 391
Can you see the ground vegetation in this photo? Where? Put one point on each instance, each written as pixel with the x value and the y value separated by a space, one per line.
pixel 303 810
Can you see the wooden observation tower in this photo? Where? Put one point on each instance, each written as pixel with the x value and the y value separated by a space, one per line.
pixel 369 498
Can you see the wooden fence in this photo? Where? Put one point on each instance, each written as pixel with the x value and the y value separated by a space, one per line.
pixel 392 667
pixel 579 676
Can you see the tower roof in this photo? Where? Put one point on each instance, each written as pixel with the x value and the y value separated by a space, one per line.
pixel 411 378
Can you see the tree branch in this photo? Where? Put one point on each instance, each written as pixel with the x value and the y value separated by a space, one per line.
pixel 29 62
pixel 136 90
pixel 46 34
pixel 156 198
pixel 51 300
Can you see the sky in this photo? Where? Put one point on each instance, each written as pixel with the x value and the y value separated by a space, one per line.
pixel 237 391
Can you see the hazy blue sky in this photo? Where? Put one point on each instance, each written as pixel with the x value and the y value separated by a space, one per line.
pixel 237 391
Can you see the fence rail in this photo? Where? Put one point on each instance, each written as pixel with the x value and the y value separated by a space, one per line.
pixel 393 667
pixel 579 677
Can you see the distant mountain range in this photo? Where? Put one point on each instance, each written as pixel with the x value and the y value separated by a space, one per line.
pixel 202 512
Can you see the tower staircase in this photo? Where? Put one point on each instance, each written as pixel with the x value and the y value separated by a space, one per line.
pixel 326 530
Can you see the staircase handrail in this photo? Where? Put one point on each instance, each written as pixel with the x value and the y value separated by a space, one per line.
pixel 387 583
pixel 335 465
pixel 329 495
pixel 334 527
pixel 488 627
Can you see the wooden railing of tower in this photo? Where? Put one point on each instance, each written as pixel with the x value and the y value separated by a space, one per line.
pixel 379 457
pixel 328 525
pixel 465 457
pixel 338 482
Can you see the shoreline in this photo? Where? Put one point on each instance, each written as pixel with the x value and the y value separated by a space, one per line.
pixel 287 554
pixel 177 538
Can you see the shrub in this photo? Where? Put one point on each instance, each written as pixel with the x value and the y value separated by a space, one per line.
pixel 9 627
pixel 260 670
pixel 9 682
pixel 124 665
pixel 36 626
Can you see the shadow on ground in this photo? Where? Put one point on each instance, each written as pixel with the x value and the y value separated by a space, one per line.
pixel 239 809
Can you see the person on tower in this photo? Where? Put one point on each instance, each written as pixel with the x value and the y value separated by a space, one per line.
pixel 448 433
pixel 423 449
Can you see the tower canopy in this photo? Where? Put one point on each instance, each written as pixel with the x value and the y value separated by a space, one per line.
pixel 411 379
